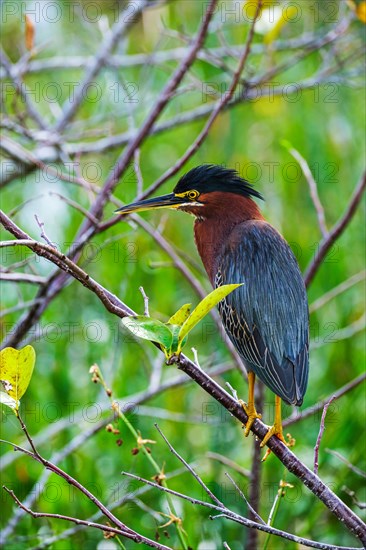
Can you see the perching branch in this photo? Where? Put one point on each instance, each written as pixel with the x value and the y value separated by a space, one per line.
pixel 288 459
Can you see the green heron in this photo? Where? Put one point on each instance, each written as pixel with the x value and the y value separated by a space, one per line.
pixel 267 317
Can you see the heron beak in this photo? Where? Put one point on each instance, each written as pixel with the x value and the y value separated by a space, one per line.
pixel 165 201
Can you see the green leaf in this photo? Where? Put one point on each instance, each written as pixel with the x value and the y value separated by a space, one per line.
pixel 16 368
pixel 181 315
pixel 149 329
pixel 204 307
pixel 177 345
pixel 286 16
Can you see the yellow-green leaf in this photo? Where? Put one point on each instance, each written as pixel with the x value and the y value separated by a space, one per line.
pixel 181 315
pixel 286 16
pixel 204 307
pixel 149 329
pixel 16 368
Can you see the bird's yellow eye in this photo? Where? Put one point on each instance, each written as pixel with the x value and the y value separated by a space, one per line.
pixel 192 195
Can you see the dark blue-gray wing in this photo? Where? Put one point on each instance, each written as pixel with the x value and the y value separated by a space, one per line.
pixel 267 318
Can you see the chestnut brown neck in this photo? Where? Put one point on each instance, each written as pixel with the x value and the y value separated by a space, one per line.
pixel 216 220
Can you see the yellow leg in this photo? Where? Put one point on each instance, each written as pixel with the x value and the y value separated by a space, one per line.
pixel 276 429
pixel 250 407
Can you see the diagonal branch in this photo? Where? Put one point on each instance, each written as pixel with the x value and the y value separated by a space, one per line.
pixel 335 232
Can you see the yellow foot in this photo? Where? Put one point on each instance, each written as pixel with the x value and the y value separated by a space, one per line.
pixel 252 415
pixel 273 430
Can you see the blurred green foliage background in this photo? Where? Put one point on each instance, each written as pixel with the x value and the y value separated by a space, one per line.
pixel 326 125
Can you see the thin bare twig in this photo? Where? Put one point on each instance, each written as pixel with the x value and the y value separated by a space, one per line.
pixel 320 404
pixel 146 301
pixel 288 459
pixel 336 291
pixel 352 494
pixel 43 233
pixel 320 435
pixel 254 491
pixel 195 284
pixel 58 280
pixel 64 263
pixel 165 96
pixel 313 190
pixel 175 54
pixel 23 278
pixel 75 205
pixel 250 507
pixel 18 307
pixel 137 169
pixel 127 404
pixel 195 357
pixel 343 333
pixel 227 462
pixel 351 466
pixel 189 468
pixel 44 299
pixel 105 528
pixel 113 504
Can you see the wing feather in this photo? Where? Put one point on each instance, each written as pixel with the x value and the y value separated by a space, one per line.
pixel 267 318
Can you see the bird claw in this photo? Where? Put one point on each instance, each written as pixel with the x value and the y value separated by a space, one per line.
pixel 290 442
pixel 252 415
pixel 273 430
